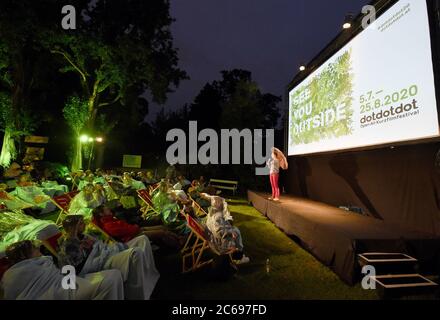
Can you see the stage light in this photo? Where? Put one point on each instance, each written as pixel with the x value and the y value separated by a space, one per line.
pixel 99 139
pixel 302 67
pixel 90 140
pixel 348 21
pixel 84 138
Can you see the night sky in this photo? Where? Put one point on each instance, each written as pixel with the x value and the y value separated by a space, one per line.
pixel 270 38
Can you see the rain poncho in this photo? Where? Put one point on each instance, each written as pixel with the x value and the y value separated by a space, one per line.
pixel 39 279
pixel 223 236
pixel 84 203
pixel 16 226
pixel 167 207
pixel 99 179
pixel 12 202
pixel 36 196
pixel 135 184
pixel 52 188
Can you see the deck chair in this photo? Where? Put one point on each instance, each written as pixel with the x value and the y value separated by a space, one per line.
pixel 110 192
pixel 51 244
pixel 74 184
pixel 62 202
pixel 107 238
pixel 199 211
pixel 152 188
pixel 196 246
pixel 148 206
pixel 72 194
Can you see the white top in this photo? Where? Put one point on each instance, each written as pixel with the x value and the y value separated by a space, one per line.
pixel 274 166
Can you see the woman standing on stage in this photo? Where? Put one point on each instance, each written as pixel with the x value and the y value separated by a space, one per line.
pixel 277 161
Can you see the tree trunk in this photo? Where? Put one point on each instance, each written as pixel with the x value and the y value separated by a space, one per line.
pixel 77 155
pixel 9 152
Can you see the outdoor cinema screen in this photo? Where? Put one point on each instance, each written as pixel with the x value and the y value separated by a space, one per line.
pixel 378 89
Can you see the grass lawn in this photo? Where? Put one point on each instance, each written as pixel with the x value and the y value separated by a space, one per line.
pixel 294 273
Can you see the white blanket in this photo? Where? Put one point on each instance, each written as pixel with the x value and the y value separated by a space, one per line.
pixel 136 264
pixel 39 279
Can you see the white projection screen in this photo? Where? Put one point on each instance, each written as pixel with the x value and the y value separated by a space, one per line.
pixel 377 90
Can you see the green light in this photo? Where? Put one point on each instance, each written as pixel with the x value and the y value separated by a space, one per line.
pixel 90 139
pixel 84 138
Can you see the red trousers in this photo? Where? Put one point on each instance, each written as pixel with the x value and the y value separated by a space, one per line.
pixel 274 184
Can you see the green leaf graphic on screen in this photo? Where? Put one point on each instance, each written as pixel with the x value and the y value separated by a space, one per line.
pixel 323 109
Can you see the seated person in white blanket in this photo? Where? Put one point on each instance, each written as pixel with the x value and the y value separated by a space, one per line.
pixel 87 254
pixel 36 277
pixel 223 236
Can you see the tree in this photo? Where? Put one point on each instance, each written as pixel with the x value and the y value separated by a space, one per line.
pixel 77 115
pixel 120 51
pixel 207 106
pixel 118 46
pixel 20 67
pixel 235 101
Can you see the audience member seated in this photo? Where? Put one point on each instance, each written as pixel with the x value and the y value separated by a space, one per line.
pixel 11 202
pixel 33 194
pixel 182 183
pixel 88 199
pixel 122 231
pixel 148 178
pixel 16 226
pixel 164 200
pixel 89 179
pixel 53 188
pixel 87 254
pixel 14 171
pixel 25 180
pixel 99 177
pixel 171 173
pixel 36 277
pixel 223 236
pixel 129 182
pixel 195 191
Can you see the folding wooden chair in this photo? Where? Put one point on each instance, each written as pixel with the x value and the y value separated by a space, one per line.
pixel 51 244
pixel 199 211
pixel 152 188
pixel 107 238
pixel 74 184
pixel 195 247
pixel 148 204
pixel 62 202
pixel 72 194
